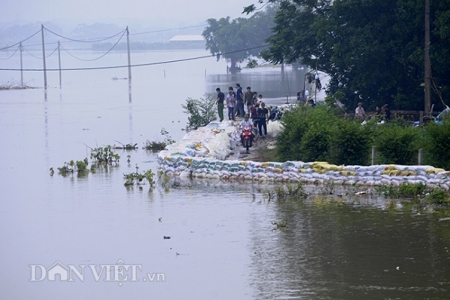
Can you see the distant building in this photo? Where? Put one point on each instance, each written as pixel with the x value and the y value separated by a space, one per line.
pixel 188 41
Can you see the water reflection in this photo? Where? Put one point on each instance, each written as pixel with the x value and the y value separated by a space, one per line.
pixel 339 251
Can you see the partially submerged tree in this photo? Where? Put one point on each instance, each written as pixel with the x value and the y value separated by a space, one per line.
pixel 240 38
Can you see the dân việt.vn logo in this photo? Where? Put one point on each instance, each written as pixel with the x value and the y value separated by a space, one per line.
pixel 118 272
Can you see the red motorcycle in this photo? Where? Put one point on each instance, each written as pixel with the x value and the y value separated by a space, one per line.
pixel 246 137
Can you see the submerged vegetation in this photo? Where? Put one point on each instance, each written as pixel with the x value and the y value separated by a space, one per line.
pixel 104 156
pixel 79 167
pixel 158 146
pixel 139 178
pixel 99 156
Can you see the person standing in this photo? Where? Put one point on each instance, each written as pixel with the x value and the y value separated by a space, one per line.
pixel 219 103
pixel 255 98
pixel 231 101
pixel 239 101
pixel 386 112
pixel 248 99
pixel 359 112
pixel 263 116
pixel 254 114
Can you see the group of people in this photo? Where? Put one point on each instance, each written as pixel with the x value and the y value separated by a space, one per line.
pixel 383 114
pixel 248 106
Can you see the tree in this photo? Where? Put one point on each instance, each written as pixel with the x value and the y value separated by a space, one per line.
pixel 238 39
pixel 373 50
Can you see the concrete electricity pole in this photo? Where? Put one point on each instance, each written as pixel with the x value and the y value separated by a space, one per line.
pixel 427 59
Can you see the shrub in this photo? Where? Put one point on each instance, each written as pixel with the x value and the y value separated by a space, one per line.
pixel 397 144
pixel 438 144
pixel 437 196
pixel 351 143
pixel 306 134
pixel 200 112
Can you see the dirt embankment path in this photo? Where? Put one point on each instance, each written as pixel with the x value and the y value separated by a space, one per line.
pixel 262 145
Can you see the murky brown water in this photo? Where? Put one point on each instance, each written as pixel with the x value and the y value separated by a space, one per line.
pixel 222 244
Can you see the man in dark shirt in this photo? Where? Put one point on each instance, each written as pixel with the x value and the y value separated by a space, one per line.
pixel 263 115
pixel 239 101
pixel 249 99
pixel 219 102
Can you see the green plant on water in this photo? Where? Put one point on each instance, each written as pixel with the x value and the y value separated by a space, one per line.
pixel 407 190
pixel 280 225
pixel 290 190
pixel 139 178
pixel 387 190
pixel 79 167
pixel 297 190
pixel 438 196
pixel 157 145
pixel 104 156
pixel 411 190
pixel 280 192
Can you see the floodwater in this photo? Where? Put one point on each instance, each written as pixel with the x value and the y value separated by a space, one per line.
pixel 109 240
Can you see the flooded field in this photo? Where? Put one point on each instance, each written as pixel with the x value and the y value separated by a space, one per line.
pixel 90 237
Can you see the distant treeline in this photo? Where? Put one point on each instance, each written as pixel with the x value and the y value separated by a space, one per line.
pixel 149 46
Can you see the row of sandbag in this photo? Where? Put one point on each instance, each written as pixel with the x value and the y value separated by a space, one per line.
pixel 202 153
pixel 315 172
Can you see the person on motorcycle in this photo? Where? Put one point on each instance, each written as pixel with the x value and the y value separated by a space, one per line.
pixel 247 122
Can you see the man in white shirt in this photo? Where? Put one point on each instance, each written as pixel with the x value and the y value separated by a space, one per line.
pixel 359 112
pixel 247 122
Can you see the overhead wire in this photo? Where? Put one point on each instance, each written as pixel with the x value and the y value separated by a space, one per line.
pixel 139 65
pixel 87 41
pixel 100 55
pixel 18 47
pixel 18 43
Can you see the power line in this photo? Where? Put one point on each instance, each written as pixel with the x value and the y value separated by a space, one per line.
pixel 86 41
pixel 100 55
pixel 4 48
pixel 140 65
pixel 11 54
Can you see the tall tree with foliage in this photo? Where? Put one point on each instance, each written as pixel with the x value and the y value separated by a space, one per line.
pixel 240 38
pixel 373 50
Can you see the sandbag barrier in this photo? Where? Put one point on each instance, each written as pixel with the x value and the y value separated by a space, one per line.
pixel 202 153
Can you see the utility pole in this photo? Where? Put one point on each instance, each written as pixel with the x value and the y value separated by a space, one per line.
pixel 427 59
pixel 129 58
pixel 59 62
pixel 43 57
pixel 21 64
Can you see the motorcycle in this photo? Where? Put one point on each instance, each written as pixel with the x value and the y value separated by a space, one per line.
pixel 275 114
pixel 246 137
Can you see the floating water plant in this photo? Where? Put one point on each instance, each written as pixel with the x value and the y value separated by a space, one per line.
pixel 104 156
pixel 126 146
pixel 79 167
pixel 280 225
pixel 139 178
pixel 158 146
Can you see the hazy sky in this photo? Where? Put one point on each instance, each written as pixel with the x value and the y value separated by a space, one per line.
pixel 182 11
